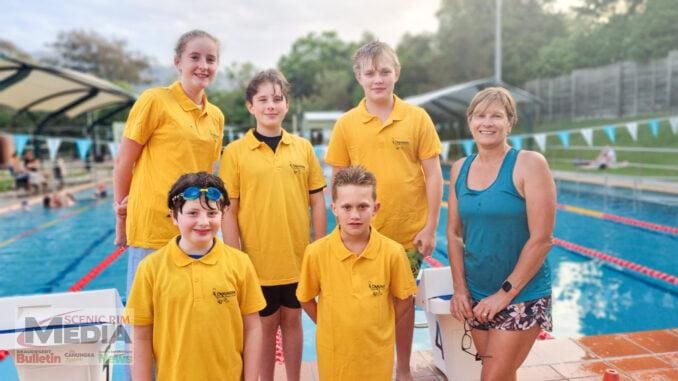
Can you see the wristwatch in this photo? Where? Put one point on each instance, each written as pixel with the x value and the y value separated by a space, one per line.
pixel 508 287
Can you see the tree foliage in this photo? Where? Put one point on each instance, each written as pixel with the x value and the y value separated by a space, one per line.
pixel 12 50
pixel 89 52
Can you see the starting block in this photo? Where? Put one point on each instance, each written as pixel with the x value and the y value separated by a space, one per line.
pixel 433 296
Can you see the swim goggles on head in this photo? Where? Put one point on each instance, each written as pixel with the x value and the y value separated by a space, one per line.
pixel 193 193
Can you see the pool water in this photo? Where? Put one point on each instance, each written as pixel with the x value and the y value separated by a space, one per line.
pixel 44 251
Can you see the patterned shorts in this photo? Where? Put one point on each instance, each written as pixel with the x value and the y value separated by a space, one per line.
pixel 520 316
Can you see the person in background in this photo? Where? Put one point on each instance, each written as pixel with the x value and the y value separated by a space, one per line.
pixel 501 213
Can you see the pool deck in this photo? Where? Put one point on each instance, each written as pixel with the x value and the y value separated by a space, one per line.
pixel 641 356
pixel 620 181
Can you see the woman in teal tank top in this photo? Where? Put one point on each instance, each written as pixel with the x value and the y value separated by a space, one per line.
pixel 500 223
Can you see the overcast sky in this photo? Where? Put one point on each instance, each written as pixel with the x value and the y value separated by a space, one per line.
pixel 259 31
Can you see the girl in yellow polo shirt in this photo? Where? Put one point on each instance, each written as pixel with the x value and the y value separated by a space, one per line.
pixel 170 131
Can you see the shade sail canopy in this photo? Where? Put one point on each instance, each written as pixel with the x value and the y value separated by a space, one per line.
pixel 450 103
pixel 29 87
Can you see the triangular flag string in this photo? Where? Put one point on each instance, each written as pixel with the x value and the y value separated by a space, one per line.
pixel 113 149
pixel 540 139
pixel 83 146
pixel 633 130
pixel 20 144
pixel 468 146
pixel 654 127
pixel 53 147
pixel 516 142
pixel 564 138
pixel 445 151
pixel 587 134
pixel 611 132
pixel 674 124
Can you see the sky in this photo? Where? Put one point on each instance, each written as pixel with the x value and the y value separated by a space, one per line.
pixel 259 31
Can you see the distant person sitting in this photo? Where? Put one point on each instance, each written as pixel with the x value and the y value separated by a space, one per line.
pixel 19 172
pixel 606 158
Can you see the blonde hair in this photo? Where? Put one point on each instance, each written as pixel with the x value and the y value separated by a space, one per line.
pixel 354 175
pixel 494 94
pixel 371 52
pixel 190 35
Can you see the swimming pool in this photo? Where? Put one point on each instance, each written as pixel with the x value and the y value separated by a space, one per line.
pixel 44 251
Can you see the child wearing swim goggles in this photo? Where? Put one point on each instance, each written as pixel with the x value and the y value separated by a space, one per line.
pixel 196 278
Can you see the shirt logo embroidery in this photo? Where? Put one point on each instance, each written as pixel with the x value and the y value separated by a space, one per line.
pixel 222 296
pixel 400 144
pixel 297 168
pixel 377 289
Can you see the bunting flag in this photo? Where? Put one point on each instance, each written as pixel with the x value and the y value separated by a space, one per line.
pixel 468 146
pixel 654 127
pixel 633 129
pixel 20 144
pixel 674 124
pixel 540 139
pixel 445 152
pixel 319 151
pixel 53 147
pixel 611 132
pixel 83 147
pixel 587 133
pixel 516 142
pixel 564 138
pixel 113 149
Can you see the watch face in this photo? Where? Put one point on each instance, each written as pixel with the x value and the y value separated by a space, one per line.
pixel 507 286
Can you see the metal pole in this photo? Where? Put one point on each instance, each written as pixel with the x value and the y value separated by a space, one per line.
pixel 497 43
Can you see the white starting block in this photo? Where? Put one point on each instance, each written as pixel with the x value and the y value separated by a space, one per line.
pixel 433 296
pixel 65 336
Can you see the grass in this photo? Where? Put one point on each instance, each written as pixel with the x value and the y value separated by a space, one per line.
pixel 563 159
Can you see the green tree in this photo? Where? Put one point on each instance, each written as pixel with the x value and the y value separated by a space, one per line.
pixel 9 48
pixel 89 52
pixel 312 62
pixel 416 53
pixel 466 37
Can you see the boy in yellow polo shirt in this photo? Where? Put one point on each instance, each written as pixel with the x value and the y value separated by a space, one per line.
pixel 272 178
pixel 398 143
pixel 364 285
pixel 193 304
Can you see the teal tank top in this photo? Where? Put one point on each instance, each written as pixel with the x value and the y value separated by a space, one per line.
pixel 495 231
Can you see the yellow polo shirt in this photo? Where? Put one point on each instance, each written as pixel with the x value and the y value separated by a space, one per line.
pixel 356 319
pixel 196 308
pixel 273 192
pixel 178 137
pixel 393 151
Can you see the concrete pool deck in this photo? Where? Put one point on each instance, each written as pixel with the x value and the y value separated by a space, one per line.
pixel 639 356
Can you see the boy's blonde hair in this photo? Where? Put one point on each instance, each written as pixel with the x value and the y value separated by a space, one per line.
pixel 491 95
pixel 371 52
pixel 358 176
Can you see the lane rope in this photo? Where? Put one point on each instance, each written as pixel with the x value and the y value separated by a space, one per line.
pixel 620 219
pixel 632 266
pixel 96 270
